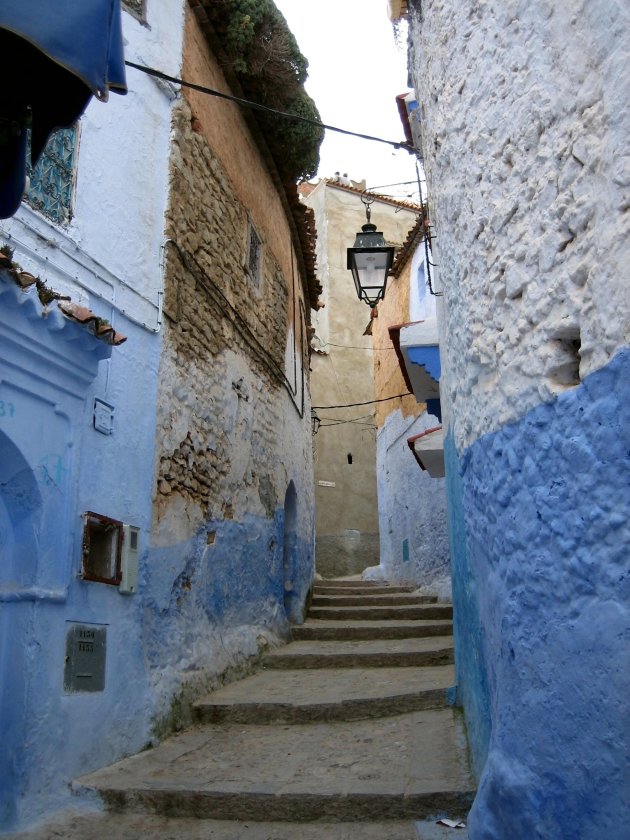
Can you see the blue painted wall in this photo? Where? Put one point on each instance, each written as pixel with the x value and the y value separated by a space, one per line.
pixel 411 509
pixel 201 604
pixel 470 657
pixel 540 518
pixel 238 580
pixel 53 466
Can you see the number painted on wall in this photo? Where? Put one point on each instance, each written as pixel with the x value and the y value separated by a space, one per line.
pixel 7 409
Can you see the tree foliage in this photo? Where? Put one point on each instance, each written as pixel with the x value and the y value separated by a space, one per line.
pixel 263 53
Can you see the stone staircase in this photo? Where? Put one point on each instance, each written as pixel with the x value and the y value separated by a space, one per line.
pixel 345 732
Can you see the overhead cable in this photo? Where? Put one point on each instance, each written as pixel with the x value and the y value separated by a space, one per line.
pixel 256 106
pixel 369 402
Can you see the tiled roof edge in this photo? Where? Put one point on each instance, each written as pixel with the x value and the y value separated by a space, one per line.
pixel 59 310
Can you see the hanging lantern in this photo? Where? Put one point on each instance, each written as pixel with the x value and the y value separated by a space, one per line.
pixel 370 260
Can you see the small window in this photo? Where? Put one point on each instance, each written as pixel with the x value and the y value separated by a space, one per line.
pixel 102 546
pixel 52 180
pixel 254 255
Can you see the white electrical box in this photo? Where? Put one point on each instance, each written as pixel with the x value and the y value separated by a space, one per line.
pixel 129 557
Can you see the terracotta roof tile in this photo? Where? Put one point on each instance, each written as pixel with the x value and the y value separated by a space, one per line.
pixel 100 328
pixel 387 199
pixel 97 326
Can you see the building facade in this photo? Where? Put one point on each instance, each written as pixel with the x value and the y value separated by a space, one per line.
pixel 232 558
pixel 524 132
pixel 156 511
pixel 411 492
pixel 347 524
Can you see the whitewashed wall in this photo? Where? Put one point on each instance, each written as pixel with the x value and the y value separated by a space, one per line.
pixel 524 109
pixel 525 127
pixel 108 256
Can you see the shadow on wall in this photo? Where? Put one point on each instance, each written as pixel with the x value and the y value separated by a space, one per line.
pixel 289 554
pixel 20 507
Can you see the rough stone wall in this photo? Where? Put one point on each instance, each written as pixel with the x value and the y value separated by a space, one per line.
pixel 412 510
pixel 234 429
pixel 217 316
pixel 525 129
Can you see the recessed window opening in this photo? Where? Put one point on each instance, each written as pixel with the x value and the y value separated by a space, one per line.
pixel 102 546
pixel 349 457
pixel 254 254
pixel 566 368
pixel 422 284
pixel 51 181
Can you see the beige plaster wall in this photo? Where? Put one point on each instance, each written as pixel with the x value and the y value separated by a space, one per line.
pixel 347 538
pixel 388 377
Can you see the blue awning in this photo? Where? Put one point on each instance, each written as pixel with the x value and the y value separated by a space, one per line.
pixel 53 57
pixel 83 37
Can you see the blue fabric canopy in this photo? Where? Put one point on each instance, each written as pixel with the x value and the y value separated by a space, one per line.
pixel 54 55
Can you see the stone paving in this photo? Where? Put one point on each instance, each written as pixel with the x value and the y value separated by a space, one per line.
pixel 333 738
pixel 135 826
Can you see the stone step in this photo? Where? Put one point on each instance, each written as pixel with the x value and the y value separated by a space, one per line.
pixel 408 766
pixel 363 584
pixel 358 590
pixel 327 694
pixel 370 600
pixel 421 611
pixel 345 630
pixel 110 826
pixel 370 653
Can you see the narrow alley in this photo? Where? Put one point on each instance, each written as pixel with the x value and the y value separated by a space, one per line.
pixel 348 725
pixel 314 420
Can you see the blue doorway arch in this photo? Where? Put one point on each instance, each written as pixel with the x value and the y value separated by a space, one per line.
pixel 289 551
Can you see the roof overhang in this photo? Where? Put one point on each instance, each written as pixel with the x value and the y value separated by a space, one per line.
pixel 417 347
pixel 428 450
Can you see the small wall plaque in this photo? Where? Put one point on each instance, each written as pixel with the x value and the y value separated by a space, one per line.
pixel 103 417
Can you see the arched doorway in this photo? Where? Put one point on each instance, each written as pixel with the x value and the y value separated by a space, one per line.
pixel 289 550
pixel 20 511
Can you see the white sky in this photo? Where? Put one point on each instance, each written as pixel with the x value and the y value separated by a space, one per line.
pixel 355 73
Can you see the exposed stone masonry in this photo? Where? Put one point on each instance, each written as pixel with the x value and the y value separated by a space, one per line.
pixel 221 327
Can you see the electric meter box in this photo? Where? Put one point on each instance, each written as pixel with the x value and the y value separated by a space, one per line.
pixel 129 558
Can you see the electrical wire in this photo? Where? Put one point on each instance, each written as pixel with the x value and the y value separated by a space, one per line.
pixel 398 184
pixel 369 402
pixel 354 346
pixel 256 106
pixel 336 421
pixel 334 425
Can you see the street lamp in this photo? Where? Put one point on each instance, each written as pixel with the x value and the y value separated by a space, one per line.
pixel 370 260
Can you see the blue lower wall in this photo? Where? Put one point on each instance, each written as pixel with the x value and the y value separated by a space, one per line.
pixel 540 520
pixel 470 660
pixel 237 580
pixel 201 605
